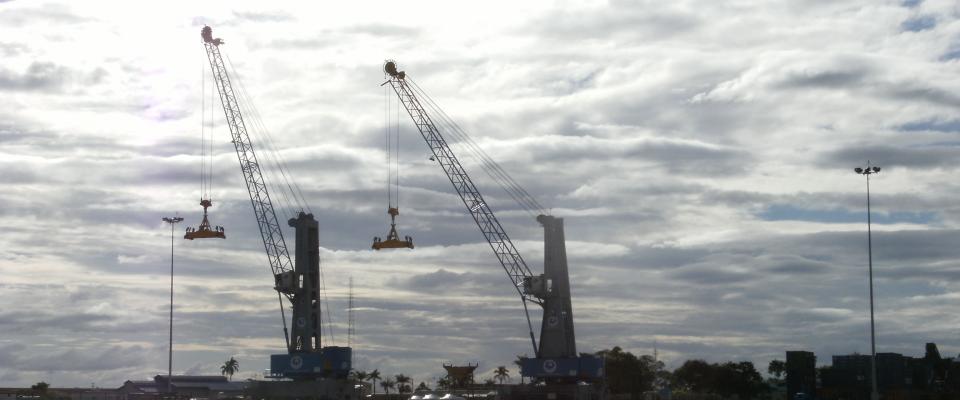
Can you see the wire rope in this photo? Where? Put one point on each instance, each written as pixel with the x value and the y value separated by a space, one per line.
pixel 493 169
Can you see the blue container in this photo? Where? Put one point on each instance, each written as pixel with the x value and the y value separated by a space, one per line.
pixel 585 367
pixel 330 361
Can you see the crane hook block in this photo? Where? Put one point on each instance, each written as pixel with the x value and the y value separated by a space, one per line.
pixel 205 231
pixel 393 239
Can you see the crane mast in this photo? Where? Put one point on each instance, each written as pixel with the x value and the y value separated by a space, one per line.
pixel 556 355
pixel 297 281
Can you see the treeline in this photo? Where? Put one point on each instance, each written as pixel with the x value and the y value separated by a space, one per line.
pixel 631 374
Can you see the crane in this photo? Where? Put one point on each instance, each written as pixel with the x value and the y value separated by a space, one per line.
pixel 297 280
pixel 556 358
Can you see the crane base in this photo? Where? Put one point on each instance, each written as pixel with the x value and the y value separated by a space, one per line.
pixel 328 362
pixel 584 367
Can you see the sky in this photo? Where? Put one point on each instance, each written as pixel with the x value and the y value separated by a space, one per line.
pixel 701 155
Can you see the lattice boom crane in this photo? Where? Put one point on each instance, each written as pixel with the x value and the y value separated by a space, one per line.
pixel 556 355
pixel 297 281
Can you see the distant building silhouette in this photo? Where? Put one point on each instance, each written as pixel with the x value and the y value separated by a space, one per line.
pixel 801 373
pixel 898 377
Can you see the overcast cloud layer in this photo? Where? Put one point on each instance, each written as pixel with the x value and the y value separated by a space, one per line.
pixel 700 152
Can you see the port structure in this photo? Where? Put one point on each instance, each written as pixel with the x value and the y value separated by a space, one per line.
pixel 556 359
pixel 296 279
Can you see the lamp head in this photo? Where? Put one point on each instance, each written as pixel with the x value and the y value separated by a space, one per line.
pixel 876 169
pixel 858 170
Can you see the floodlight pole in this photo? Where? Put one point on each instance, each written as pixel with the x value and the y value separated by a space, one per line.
pixel 874 395
pixel 172 221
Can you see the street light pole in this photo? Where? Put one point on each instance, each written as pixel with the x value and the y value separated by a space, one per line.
pixel 874 395
pixel 172 221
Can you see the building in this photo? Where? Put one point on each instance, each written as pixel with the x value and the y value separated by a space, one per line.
pixel 200 386
pixel 801 373
pixel 898 376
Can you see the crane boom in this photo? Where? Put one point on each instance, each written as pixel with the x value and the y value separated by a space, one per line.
pixel 306 358
pixel 491 228
pixel 267 221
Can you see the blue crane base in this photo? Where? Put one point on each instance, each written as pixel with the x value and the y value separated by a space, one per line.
pixel 329 362
pixel 584 368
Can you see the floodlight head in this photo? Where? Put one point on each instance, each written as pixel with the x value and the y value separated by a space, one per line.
pixel 390 67
pixel 172 220
pixel 858 170
pixel 876 169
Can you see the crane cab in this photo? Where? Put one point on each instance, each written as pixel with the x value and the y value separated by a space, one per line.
pixel 393 239
pixel 205 231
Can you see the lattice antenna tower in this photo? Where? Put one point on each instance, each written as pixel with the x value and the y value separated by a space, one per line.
pixel 351 322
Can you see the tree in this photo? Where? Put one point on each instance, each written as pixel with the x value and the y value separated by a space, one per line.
pixel 403 383
pixel 627 373
pixel 777 368
pixel 387 384
pixel 727 380
pixel 374 377
pixel 740 379
pixel 359 375
pixel 501 373
pixel 694 376
pixel 230 367
pixel 422 387
pixel 40 388
pixel 444 382
pixel 519 363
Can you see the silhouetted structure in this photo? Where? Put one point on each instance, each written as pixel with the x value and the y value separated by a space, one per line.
pixel 801 373
pixel 460 375
pixel 899 377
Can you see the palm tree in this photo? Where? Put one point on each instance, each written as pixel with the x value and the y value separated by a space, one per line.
pixel 519 363
pixel 501 373
pixel 444 382
pixel 387 384
pixel 423 387
pixel 403 383
pixel 359 375
pixel 374 377
pixel 230 367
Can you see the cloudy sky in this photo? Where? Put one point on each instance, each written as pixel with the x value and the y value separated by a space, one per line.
pixel 700 152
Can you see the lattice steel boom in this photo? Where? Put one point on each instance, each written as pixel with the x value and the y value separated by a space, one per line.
pixel 490 227
pixel 257 188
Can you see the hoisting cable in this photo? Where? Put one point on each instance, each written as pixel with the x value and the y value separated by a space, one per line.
pixel 295 192
pixel 491 167
pixel 272 155
pixel 283 317
pixel 203 127
pixel 391 136
pixel 523 198
pixel 205 230
pixel 497 173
